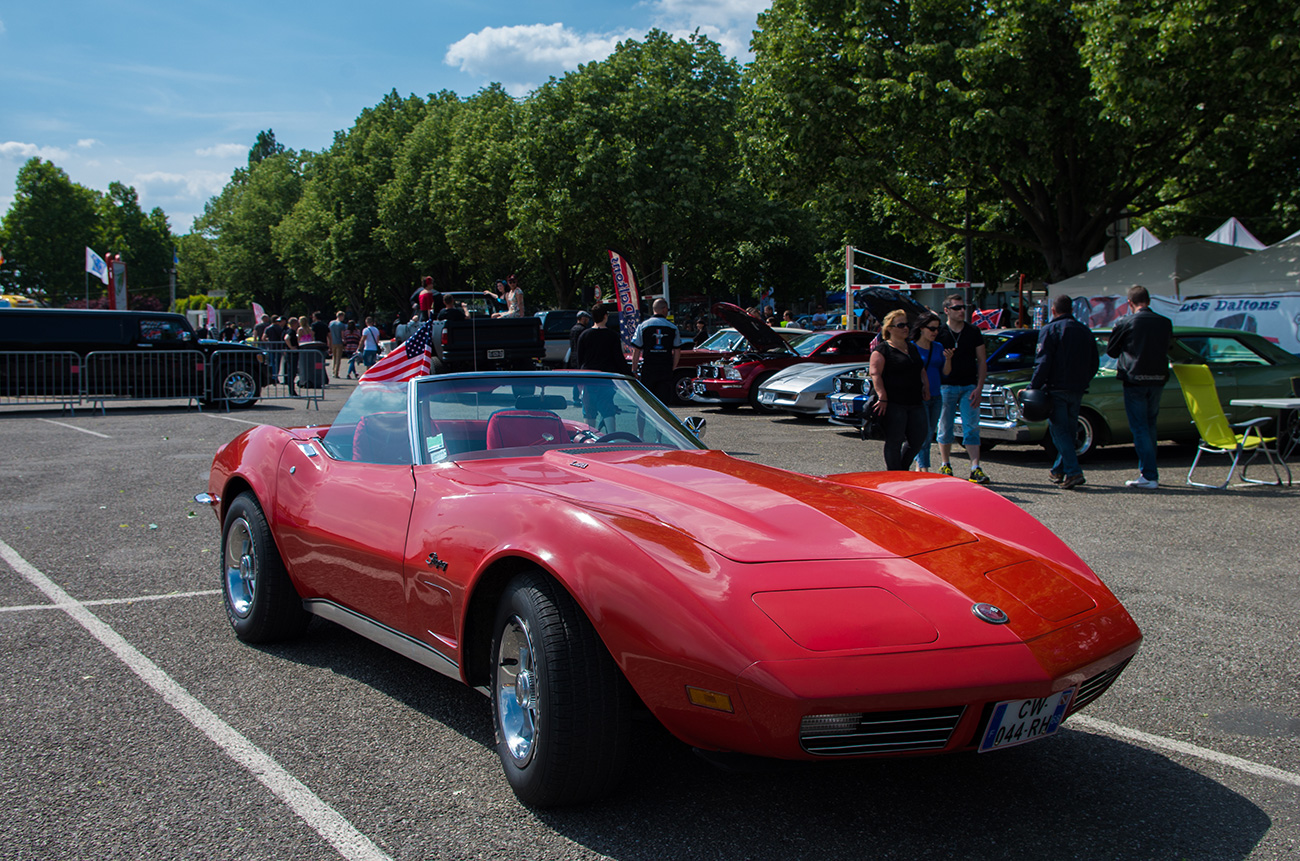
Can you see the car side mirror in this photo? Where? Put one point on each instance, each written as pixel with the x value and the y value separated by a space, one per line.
pixel 695 424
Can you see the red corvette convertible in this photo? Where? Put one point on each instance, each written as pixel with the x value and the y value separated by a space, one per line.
pixel 582 562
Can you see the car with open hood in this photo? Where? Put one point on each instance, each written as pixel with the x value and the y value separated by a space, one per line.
pixel 734 381
pixel 588 563
pixel 722 344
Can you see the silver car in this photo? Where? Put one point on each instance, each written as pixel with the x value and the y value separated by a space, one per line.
pixel 802 389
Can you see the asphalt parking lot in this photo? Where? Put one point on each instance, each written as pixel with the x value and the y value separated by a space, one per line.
pixel 135 725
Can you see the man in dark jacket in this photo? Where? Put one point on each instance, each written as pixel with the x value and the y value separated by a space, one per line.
pixel 1140 344
pixel 1065 364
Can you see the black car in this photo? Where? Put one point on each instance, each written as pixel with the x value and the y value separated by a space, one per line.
pixel 57 352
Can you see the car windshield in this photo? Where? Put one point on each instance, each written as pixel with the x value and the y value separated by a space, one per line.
pixel 808 343
pixel 726 341
pixel 471 416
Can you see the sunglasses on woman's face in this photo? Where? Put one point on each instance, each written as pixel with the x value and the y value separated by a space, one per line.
pixel 932 328
pixel 899 325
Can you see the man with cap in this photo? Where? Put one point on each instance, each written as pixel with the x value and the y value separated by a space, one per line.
pixel 582 324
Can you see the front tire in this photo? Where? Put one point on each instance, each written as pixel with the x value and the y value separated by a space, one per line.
pixel 237 387
pixel 561 709
pixel 684 387
pixel 1087 436
pixel 261 602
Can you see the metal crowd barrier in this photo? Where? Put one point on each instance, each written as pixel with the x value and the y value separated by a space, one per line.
pixel 137 376
pixel 295 374
pixel 40 378
pixel 226 376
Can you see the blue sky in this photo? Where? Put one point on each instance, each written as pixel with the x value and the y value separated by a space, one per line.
pixel 168 97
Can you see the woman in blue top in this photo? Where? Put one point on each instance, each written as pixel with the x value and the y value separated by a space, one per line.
pixel 936 361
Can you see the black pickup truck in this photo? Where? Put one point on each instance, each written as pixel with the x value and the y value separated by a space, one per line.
pixel 487 344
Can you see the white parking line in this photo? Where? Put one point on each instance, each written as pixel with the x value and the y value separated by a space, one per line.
pixel 323 819
pixel 1146 739
pixel 75 428
pixel 106 601
pixel 233 419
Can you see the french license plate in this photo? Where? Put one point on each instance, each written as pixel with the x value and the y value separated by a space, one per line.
pixel 841 409
pixel 496 354
pixel 767 397
pixel 1017 721
pixel 699 388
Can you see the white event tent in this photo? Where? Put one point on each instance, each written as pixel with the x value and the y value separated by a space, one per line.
pixel 1276 269
pixel 1161 269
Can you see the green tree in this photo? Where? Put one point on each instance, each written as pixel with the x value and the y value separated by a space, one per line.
pixel 231 241
pixel 46 232
pixel 332 239
pixel 409 226
pixel 950 114
pixel 144 241
pixel 637 153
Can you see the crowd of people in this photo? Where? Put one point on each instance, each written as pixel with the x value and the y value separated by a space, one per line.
pixel 927 372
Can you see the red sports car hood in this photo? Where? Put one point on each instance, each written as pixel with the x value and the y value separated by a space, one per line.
pixel 741 510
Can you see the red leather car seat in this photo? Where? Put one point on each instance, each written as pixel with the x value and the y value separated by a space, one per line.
pixel 382 438
pixel 510 428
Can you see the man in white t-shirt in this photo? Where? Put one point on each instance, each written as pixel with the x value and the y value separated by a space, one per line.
pixel 369 343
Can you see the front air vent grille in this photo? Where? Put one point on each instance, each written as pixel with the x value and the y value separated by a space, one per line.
pixel 1096 686
pixel 879 732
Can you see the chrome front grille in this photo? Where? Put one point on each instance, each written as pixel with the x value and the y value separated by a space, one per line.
pixel 993 403
pixel 1096 686
pixel 879 732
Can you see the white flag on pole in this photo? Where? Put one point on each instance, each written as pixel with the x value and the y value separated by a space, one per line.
pixel 96 266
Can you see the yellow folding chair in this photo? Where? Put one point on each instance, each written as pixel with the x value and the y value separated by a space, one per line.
pixel 1218 436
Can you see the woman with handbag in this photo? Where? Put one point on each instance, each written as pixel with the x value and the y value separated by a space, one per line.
pixel 899 381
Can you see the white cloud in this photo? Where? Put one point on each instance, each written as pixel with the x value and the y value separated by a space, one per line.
pixel 87 143
pixel 226 150
pixel 522 57
pixel 24 151
pixel 199 184
pixel 730 23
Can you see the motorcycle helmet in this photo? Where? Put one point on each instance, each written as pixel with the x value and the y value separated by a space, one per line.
pixel 1035 404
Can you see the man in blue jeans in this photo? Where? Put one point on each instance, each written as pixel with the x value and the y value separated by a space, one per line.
pixel 1065 364
pixel 1139 342
pixel 962 387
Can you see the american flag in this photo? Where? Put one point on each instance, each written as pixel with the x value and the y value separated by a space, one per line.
pixel 412 359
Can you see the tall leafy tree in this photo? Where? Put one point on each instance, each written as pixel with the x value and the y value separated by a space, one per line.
pixel 144 241
pixel 638 153
pixel 235 230
pixel 332 239
pixel 45 233
pixel 410 226
pixel 948 115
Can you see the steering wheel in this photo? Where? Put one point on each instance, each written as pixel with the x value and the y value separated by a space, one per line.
pixel 619 436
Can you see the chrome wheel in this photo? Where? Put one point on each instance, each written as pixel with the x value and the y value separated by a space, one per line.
pixel 518 692
pixel 240 568
pixel 238 387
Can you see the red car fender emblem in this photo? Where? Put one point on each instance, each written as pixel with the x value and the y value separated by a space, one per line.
pixel 989 613
pixel 433 561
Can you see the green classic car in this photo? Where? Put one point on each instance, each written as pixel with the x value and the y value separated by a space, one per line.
pixel 1244 364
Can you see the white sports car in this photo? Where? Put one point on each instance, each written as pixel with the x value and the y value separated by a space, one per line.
pixel 802 389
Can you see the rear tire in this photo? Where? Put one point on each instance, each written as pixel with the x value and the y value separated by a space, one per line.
pixel 561 709
pixel 1088 437
pixel 236 387
pixel 261 602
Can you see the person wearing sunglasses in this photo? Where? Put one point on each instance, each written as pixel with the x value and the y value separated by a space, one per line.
pixel 962 387
pixel 936 361
pixel 901 389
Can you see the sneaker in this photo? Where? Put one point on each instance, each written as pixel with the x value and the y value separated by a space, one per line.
pixel 1055 477
pixel 1142 482
pixel 946 469
pixel 977 475
pixel 1073 481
